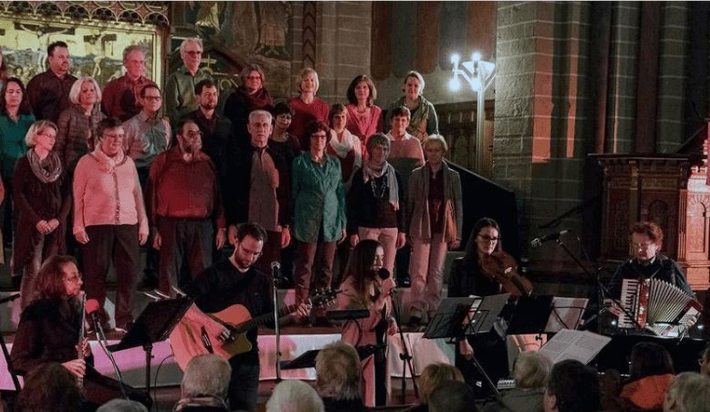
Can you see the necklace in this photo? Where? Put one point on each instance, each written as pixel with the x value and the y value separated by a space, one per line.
pixel 378 186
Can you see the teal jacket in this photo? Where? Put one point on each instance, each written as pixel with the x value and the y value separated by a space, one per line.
pixel 319 199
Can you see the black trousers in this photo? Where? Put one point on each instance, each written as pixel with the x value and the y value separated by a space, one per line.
pixel 184 242
pixel 117 245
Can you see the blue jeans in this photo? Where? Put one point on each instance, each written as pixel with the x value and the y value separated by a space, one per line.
pixel 243 387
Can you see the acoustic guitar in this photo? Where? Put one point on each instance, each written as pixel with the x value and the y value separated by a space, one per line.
pixel 190 339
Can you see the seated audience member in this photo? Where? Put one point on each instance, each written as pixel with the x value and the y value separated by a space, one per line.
pixel 250 96
pixel 122 405
pixel 77 124
pixel 307 107
pixel 530 374
pixel 453 396
pixel 704 361
pixel 571 387
pixel 204 385
pixel 49 388
pixel 433 377
pixel 294 396
pixel 651 372
pixel 184 203
pixel 110 220
pixel 689 392
pixel 281 141
pixel 217 134
pixel 180 86
pixel 121 96
pixel 147 134
pixel 338 378
pixel 376 202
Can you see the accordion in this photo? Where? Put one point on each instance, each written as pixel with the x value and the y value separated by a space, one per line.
pixel 657 306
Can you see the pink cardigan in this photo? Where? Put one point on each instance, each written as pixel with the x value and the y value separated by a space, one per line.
pixel 107 192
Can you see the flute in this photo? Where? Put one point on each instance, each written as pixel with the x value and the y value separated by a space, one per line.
pixel 82 334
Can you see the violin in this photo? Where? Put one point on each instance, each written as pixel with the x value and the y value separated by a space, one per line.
pixel 503 268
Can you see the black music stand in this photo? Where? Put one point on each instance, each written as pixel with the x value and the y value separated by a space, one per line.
pixel 530 315
pixel 5 352
pixel 308 358
pixel 154 324
pixel 479 315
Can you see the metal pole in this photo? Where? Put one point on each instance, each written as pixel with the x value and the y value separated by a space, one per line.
pixel 480 118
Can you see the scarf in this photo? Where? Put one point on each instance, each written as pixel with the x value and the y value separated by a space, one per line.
pixel 200 401
pixel 343 147
pixel 261 100
pixel 47 172
pixel 371 170
pixel 108 164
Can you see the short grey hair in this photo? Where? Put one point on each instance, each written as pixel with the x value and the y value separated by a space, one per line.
pixel 377 139
pixel 257 113
pixel 75 90
pixel 128 50
pixel 37 128
pixel 338 371
pixel 122 405
pixel 689 392
pixel 206 375
pixel 189 40
pixel 436 138
pixel 531 370
pixel 294 396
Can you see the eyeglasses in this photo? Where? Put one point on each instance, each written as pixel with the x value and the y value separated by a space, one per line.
pixel 642 246
pixel 153 98
pixel 250 252
pixel 192 134
pixel 253 77
pixel 114 136
pixel 489 239
pixel 194 52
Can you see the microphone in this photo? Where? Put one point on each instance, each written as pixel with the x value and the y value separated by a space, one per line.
pixel 537 242
pixel 276 272
pixel 383 274
pixel 92 309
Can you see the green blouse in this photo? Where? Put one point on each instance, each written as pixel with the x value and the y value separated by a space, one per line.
pixel 12 140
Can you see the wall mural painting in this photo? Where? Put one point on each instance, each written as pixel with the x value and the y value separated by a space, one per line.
pixel 236 34
pixel 96 47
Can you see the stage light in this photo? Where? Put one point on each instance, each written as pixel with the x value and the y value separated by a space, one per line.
pixel 454 84
pixel 476 56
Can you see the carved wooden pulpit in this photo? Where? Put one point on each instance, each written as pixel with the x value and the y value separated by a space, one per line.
pixel 668 189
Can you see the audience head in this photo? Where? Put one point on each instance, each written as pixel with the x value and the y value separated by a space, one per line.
pixel 191 53
pixel 704 361
pixel 338 371
pixel 151 99
pixel 85 91
pixel 571 387
pixel 689 392
pixel 58 58
pixel 252 78
pixel 251 237
pixel 338 117
pixel 317 136
pixel 649 358
pixel 399 121
pixel 207 94
pixel 362 88
pixel 260 128
pixel 283 114
pixel 294 396
pixel 646 240
pixel 378 147
pixel 485 239
pixel 413 85
pixel 58 278
pixel 122 405
pixel 453 396
pixel 189 136
pixel 49 388
pixel 435 148
pixel 308 81
pixel 434 376
pixel 42 133
pixel 134 61
pixel 531 370
pixel 206 375
pixel 109 136
pixel 14 95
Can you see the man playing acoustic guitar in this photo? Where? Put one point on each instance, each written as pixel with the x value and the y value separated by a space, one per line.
pixel 218 289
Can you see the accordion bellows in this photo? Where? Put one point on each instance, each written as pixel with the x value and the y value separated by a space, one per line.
pixel 658 306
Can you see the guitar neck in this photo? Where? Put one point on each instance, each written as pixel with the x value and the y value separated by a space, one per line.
pixel 265 318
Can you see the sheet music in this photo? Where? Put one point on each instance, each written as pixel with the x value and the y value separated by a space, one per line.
pixel 573 344
pixel 566 313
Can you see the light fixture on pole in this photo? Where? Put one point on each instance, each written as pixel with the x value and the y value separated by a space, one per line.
pixel 479 75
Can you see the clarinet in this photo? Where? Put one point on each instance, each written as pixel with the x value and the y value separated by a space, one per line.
pixel 82 334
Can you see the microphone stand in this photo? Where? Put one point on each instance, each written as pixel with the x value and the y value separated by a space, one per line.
pixel 101 337
pixel 277 328
pixel 406 357
pixel 5 352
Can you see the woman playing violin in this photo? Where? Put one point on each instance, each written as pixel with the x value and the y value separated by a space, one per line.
pixel 471 280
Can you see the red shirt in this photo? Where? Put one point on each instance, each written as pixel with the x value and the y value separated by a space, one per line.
pixel 119 98
pixel 303 114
